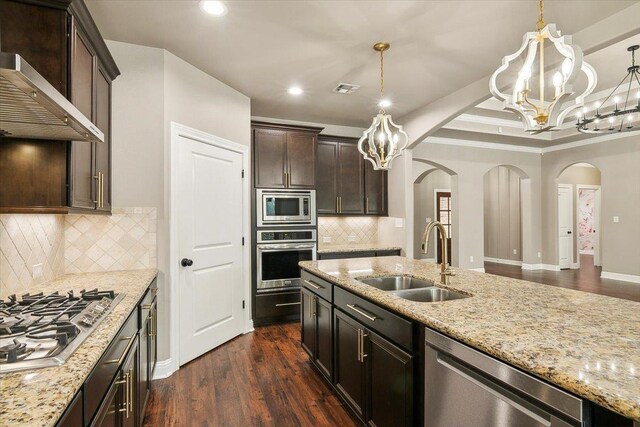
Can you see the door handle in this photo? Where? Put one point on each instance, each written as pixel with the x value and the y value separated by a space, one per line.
pixel 568 232
pixel 186 262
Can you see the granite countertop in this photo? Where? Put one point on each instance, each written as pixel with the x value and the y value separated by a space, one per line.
pixel 328 248
pixel 38 397
pixel 585 343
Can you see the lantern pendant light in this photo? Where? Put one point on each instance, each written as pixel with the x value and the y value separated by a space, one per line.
pixel 384 140
pixel 539 115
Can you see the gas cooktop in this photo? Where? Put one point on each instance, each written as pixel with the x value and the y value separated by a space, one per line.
pixel 41 330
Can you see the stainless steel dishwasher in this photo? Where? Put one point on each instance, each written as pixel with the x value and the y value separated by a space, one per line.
pixel 467 388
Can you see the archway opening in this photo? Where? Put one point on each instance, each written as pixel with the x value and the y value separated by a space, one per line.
pixel 579 217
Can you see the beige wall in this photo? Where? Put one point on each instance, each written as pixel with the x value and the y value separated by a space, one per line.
pixel 156 88
pixel 502 217
pixel 574 176
pixel 618 162
pixel 469 166
pixel 424 191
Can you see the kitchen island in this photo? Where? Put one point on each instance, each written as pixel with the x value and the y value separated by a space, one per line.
pixel 586 344
pixel 39 397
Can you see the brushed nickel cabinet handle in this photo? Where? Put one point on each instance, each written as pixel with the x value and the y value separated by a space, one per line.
pixel 358 342
pixel 314 285
pixel 97 188
pixel 101 190
pixel 284 304
pixel 366 205
pixel 362 312
pixel 362 353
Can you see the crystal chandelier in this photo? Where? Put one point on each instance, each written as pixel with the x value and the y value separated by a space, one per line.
pixel 616 116
pixel 539 115
pixel 384 140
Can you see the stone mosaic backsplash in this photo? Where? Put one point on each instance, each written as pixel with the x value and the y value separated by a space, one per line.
pixel 59 244
pixel 344 230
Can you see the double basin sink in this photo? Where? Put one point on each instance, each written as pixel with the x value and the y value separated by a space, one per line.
pixel 412 289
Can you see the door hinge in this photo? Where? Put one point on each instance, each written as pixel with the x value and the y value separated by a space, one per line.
pixel 243 173
pixel 243 304
pixel 243 241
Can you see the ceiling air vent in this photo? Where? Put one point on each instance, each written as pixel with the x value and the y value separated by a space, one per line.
pixel 346 88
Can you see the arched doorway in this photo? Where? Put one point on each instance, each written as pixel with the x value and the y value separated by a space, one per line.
pixel 434 192
pixel 578 213
pixel 503 211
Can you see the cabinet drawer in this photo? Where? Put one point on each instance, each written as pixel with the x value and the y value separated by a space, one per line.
pixel 345 255
pixel 278 304
pixel 394 252
pixel 147 302
pixel 98 381
pixel 385 322
pixel 318 286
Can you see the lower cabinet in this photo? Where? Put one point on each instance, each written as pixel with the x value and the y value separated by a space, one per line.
pixel 358 254
pixel 316 320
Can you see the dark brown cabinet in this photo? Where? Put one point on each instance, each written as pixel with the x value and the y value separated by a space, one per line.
pixel 340 188
pixel 72 417
pixel 375 190
pixel 349 370
pixel 148 348
pixel 284 156
pixel 63 44
pixel 316 320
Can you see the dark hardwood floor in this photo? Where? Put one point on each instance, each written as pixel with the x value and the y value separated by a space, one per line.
pixel 586 279
pixel 259 379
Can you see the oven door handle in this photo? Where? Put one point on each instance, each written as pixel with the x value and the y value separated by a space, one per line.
pixel 265 248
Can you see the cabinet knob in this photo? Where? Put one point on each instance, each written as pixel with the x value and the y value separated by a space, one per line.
pixel 186 262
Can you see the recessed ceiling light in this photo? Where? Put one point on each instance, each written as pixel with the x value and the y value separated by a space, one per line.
pixel 384 103
pixel 213 7
pixel 295 90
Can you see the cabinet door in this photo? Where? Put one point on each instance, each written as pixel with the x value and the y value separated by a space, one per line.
pixel 153 339
pixel 103 149
pixel 327 188
pixel 269 148
pixel 72 416
pixel 129 393
pixel 350 179
pixel 349 370
pixel 375 190
pixel 83 64
pixel 389 379
pixel 323 355
pixel 308 322
pixel 301 160
pixel 144 384
pixel 109 414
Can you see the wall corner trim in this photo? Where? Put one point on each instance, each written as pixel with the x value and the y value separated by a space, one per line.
pixel 164 369
pixel 632 278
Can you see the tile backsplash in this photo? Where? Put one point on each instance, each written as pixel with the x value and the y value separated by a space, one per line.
pixel 125 240
pixel 63 244
pixel 25 241
pixel 344 230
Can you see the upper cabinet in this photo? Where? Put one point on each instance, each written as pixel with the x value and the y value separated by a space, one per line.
pixel 284 156
pixel 347 184
pixel 63 44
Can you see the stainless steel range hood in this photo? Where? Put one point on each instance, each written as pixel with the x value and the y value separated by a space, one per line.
pixel 31 108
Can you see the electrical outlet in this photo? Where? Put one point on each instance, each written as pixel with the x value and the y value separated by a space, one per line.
pixel 399 222
pixel 352 238
pixel 326 239
pixel 36 271
pixel 616 219
pixel 471 258
pixel 539 254
pixel 515 252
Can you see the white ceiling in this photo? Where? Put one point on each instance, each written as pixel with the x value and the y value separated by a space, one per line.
pixel 262 47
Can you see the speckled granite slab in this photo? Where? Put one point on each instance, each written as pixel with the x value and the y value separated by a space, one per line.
pixel 585 343
pixel 39 397
pixel 355 247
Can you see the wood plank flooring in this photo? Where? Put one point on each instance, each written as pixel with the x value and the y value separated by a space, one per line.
pixel 586 279
pixel 259 379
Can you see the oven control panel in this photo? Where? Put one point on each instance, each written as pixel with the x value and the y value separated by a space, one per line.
pixel 282 236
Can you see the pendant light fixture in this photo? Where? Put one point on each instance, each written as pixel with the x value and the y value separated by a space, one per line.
pixel 527 98
pixel 616 113
pixel 384 140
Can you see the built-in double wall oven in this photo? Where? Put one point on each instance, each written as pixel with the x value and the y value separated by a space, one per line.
pixel 278 254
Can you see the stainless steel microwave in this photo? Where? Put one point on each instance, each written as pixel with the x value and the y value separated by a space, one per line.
pixel 285 207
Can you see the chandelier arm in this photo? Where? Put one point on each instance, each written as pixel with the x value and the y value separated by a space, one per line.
pixel 615 89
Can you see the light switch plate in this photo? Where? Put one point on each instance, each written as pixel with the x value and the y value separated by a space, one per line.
pixel 515 252
pixel 616 219
pixel 539 254
pixel 399 222
pixel 36 271
pixel 471 258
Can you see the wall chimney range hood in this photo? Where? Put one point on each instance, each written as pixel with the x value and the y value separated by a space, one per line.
pixel 31 108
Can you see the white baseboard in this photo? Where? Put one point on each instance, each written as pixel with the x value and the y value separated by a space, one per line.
pixel 481 270
pixel 632 278
pixel 550 267
pixel 575 266
pixel 503 261
pixel 249 327
pixel 164 369
pixel 532 266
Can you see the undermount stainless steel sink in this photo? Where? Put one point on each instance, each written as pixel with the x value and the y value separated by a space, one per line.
pixel 396 283
pixel 432 294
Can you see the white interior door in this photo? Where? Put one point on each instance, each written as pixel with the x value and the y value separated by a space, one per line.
pixel 565 226
pixel 210 232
